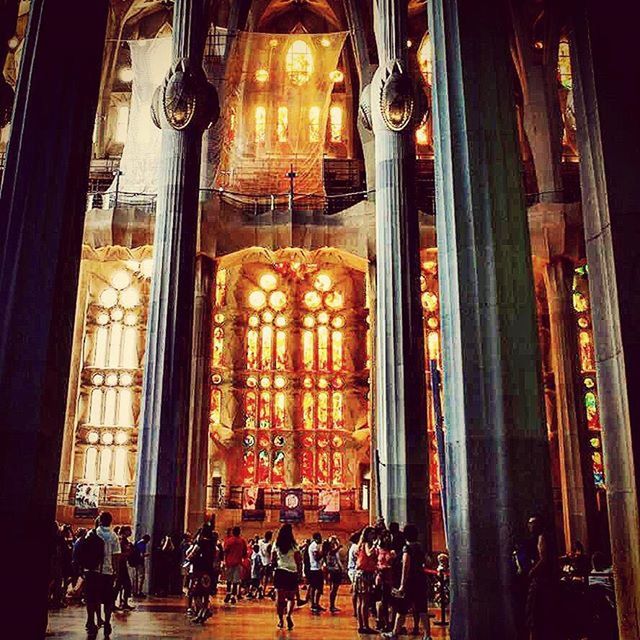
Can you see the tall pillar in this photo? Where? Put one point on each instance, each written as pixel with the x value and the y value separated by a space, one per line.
pixel 496 441
pixel 607 108
pixel 200 397
pixel 572 438
pixel 400 390
pixel 183 110
pixel 42 204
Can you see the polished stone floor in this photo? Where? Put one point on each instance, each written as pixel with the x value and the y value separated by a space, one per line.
pixel 165 618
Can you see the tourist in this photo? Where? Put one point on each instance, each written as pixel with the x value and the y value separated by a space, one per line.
pixel 352 556
pixel 185 544
pixel 89 555
pixel 110 562
pixel 366 566
pixel 384 581
pixel 601 599
pixel 255 583
pixel 541 591
pixel 201 556
pixel 288 563
pixel 138 562
pixel 315 576
pixel 123 586
pixel 412 593
pixel 235 550
pixel 165 560
pixel 334 569
pixel 265 547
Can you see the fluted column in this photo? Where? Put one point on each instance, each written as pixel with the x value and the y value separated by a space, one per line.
pixel 608 135
pixel 400 392
pixel 162 453
pixel 572 437
pixel 200 400
pixel 496 440
pixel 42 204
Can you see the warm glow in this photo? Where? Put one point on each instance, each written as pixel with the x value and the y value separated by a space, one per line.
pixel 336 76
pixel 129 298
pixel 257 299
pixel 252 349
pixel 278 300
pixel 336 350
pixel 218 346
pixel 334 300
pixel 108 298
pixel 433 345
pixel 308 410
pixel 312 299
pixel 299 62
pixel 323 348
pixel 425 59
pixel 281 350
pixel 422 135
pixel 268 281
pixel 323 282
pixel 335 123
pixel 262 75
pixel 323 409
pixel 261 125
pixel 267 347
pixel 314 124
pixel 307 350
pixel 283 124
pixel 120 280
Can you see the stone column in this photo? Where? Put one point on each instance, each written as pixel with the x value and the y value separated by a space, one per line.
pixel 607 105
pixel 572 437
pixel 182 108
pixel 200 397
pixel 400 386
pixel 42 204
pixel 496 441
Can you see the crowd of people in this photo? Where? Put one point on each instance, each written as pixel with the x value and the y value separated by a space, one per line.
pixel 384 568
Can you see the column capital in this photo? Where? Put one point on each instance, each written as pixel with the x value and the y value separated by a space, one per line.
pixel 555 230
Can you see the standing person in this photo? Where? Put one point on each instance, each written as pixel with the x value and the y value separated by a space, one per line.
pixel 333 565
pixel 137 561
pixel 89 555
pixel 265 547
pixel 352 556
pixel 201 555
pixel 185 544
pixel 384 580
pixel 413 590
pixel 366 565
pixel 541 595
pixel 235 550
pixel 109 564
pixel 287 560
pixel 257 570
pixel 316 578
pixel 165 559
pixel 123 579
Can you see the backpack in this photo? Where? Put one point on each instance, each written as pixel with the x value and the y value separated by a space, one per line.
pixel 90 552
pixel 135 558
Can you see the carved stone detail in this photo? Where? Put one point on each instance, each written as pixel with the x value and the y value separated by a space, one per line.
pixel 396 98
pixel 364 108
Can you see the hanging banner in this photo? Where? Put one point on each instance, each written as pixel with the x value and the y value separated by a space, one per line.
pixel 252 504
pixel 86 500
pixel 329 505
pixel 291 509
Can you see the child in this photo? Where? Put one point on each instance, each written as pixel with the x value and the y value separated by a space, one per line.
pixel 257 568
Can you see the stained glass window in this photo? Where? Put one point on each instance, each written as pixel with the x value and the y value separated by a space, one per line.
pixel 261 125
pixel 586 354
pixel 336 116
pixel 314 124
pixel 299 62
pixel 283 124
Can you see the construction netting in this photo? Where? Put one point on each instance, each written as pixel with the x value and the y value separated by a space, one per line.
pixel 275 109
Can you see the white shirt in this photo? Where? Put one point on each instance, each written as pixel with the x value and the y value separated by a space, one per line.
pixel 263 550
pixel 314 563
pixel 111 548
pixel 286 561
pixel 352 557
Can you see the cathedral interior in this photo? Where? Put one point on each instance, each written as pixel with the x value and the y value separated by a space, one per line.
pixel 376 257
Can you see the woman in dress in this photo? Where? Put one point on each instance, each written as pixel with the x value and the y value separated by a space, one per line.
pixel 366 566
pixel 287 559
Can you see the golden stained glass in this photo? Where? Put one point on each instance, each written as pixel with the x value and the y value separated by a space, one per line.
pixel 336 350
pixel 425 59
pixel 587 355
pixel 279 406
pixel 283 124
pixel 323 409
pixel 266 359
pixel 307 350
pixel 308 405
pixel 337 410
pixel 268 281
pixel 299 62
pixel 218 346
pixel 323 348
pixel 216 407
pixel 250 410
pixel 564 65
pixel 433 345
pixel 337 476
pixel 335 123
pixel 252 349
pixel 314 124
pixel 261 125
pixel 265 410
pixel 281 350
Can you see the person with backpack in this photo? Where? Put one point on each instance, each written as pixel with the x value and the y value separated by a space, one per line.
pixel 137 561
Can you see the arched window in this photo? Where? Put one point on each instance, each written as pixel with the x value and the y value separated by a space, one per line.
pixel 90 464
pixel 120 475
pixel 261 125
pixel 299 63
pixel 336 117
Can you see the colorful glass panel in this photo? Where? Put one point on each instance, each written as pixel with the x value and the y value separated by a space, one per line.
pixel 250 410
pixel 308 405
pixel 337 476
pixel 265 410
pixel 281 350
pixel 336 350
pixel 252 349
pixel 323 348
pixel 218 346
pixel 307 350
pixel 323 409
pixel 279 410
pixel 216 407
pixel 277 473
pixel 338 415
pixel 267 347
pixel 263 466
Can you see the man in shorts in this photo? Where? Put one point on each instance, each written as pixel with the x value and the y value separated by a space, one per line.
pixel 316 577
pixel 235 550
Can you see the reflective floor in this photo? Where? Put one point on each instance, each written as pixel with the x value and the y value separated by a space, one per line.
pixel 248 620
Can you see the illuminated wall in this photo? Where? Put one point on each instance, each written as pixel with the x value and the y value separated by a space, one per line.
pixel 289 399
pixel 106 399
pixel 586 351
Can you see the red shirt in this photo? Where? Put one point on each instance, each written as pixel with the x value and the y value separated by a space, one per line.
pixel 235 549
pixel 365 562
